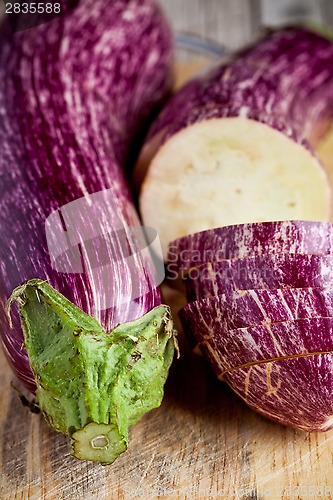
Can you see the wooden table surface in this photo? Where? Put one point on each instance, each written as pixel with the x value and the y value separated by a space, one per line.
pixel 203 442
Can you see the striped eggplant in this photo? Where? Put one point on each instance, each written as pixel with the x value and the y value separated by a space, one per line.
pixel 249 239
pixel 295 391
pixel 257 318
pixel 281 370
pixel 214 317
pixel 75 93
pixel 256 344
pixel 261 272
pixel 235 145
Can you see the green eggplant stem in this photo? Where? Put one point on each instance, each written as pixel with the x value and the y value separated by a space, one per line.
pixel 93 385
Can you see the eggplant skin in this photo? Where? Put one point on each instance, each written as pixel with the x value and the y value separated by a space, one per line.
pixel 296 392
pixel 261 272
pixel 282 370
pixel 73 95
pixel 93 385
pixel 240 138
pixel 275 340
pixel 283 80
pixel 216 317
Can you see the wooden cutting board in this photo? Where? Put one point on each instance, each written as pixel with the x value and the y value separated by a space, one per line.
pixel 202 443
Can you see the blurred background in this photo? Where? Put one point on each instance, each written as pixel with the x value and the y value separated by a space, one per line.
pixel 232 23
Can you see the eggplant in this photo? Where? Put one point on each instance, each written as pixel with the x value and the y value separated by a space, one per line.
pixel 76 95
pixel 213 317
pixel 235 145
pixel 264 272
pixel 249 239
pixel 296 391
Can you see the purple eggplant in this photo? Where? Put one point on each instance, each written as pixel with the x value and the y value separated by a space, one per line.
pixel 75 95
pixel 256 344
pixel 296 391
pixel 214 317
pixel 281 370
pixel 250 239
pixel 257 337
pixel 259 272
pixel 235 145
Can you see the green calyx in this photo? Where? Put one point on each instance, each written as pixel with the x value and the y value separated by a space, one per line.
pixel 93 385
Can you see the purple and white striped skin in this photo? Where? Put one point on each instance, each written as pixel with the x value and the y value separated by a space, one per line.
pixel 214 317
pixel 250 239
pixel 282 84
pixel 256 344
pixel 73 94
pixel 264 272
pixel 297 392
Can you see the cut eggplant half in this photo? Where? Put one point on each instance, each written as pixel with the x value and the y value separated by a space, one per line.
pixel 261 272
pixel 236 145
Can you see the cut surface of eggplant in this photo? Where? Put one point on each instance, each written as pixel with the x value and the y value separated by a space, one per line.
pixel 226 171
